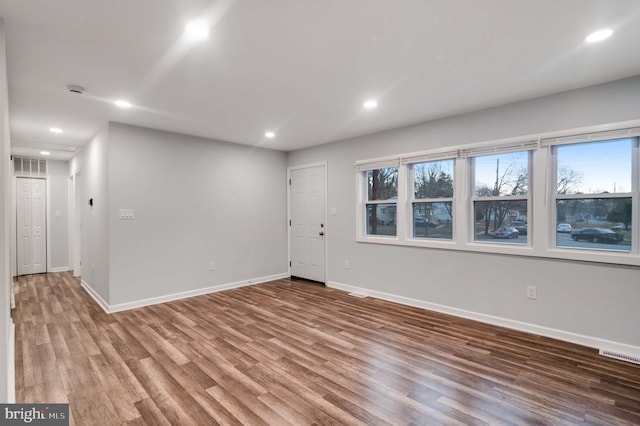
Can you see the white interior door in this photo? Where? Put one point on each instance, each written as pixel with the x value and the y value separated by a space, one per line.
pixel 31 241
pixel 307 231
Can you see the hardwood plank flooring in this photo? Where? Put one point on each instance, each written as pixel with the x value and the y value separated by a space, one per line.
pixel 293 353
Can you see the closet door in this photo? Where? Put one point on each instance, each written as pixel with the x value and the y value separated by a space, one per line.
pixel 31 240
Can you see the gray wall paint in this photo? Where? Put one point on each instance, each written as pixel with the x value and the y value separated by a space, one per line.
pixel 595 300
pixel 5 215
pixel 58 172
pixel 195 200
pixel 92 163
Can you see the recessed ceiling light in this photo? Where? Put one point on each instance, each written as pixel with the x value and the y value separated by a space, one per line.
pixel 270 135
pixel 121 103
pixel 55 130
pixel 370 104
pixel 196 31
pixel 599 35
pixel 45 153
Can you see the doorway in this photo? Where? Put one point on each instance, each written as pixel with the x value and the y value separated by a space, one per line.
pixel 307 230
pixel 31 226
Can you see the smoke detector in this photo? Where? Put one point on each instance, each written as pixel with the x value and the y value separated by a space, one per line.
pixel 74 88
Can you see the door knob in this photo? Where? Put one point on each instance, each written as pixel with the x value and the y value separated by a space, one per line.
pixel 321 233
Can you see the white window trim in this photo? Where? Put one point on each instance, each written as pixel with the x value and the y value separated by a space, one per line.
pixel 541 211
pixel 378 163
pixel 362 191
pixel 527 145
pixel 594 136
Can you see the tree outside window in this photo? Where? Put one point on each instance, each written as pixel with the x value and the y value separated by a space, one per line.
pixel 432 204
pixel 501 200
pixel 381 206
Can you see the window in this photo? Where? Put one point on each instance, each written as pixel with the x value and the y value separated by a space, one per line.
pixel 501 197
pixel 577 193
pixel 381 204
pixel 594 194
pixel 432 203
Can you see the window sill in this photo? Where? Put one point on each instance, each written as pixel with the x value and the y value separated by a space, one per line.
pixel 580 255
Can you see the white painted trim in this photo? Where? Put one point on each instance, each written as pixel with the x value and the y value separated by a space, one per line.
pixel 307 166
pixel 177 296
pixel 11 364
pixel 71 216
pixel 95 296
pixel 75 219
pixel 580 339
pixel 48 219
pixel 13 231
pixel 59 269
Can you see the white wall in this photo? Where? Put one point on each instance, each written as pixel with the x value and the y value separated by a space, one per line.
pixel 195 201
pixel 92 163
pixel 58 207
pixel 6 324
pixel 596 301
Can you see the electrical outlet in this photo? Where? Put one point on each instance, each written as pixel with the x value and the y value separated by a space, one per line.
pixel 212 265
pixel 347 264
pixel 532 292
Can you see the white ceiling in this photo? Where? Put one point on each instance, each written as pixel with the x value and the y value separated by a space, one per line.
pixel 301 68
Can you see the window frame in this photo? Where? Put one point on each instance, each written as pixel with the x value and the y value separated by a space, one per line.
pixel 633 194
pixel 362 169
pixel 475 198
pixel 411 199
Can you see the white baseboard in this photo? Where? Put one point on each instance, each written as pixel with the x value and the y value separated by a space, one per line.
pixel 176 296
pixel 59 269
pixel 589 341
pixel 95 296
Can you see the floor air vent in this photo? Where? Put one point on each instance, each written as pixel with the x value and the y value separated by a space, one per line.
pixel 620 356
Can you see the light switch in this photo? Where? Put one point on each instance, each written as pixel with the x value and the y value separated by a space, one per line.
pixel 334 211
pixel 127 214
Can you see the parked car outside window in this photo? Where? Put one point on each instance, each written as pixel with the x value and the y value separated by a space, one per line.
pixel 423 223
pixel 506 232
pixel 597 235
pixel 520 226
pixel 564 227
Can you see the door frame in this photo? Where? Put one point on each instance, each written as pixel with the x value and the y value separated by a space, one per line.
pixel 75 220
pixel 47 213
pixel 326 225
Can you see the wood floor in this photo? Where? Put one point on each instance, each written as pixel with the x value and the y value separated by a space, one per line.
pixel 290 352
